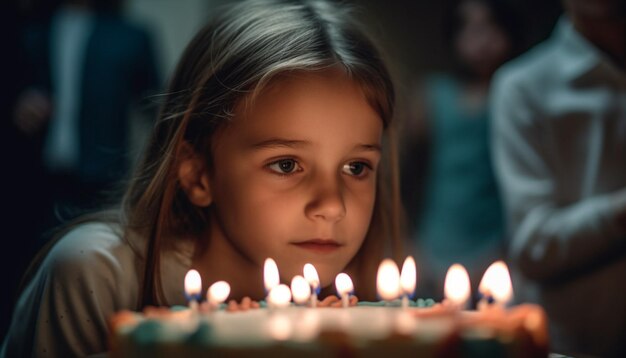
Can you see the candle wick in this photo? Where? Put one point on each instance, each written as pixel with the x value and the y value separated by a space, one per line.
pixel 345 300
pixel 405 301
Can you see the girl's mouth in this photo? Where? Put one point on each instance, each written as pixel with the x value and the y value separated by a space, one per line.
pixel 322 246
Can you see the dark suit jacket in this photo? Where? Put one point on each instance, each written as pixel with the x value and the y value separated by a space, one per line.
pixel 119 68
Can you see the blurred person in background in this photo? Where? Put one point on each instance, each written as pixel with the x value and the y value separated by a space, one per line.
pixel 559 136
pixel 460 218
pixel 72 72
pixel 86 66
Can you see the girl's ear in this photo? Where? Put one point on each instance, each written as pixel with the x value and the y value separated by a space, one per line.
pixel 193 176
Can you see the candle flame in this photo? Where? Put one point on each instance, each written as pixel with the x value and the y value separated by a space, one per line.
pixel 457 285
pixel 408 277
pixel 279 296
pixel 218 292
pixel 497 282
pixel 310 274
pixel 343 284
pixel 300 289
pixel 270 274
pixel 388 280
pixel 193 283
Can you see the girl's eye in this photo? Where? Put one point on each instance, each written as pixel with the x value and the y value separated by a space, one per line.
pixel 284 166
pixel 357 169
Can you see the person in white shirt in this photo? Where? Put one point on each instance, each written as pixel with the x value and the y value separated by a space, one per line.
pixel 88 68
pixel 559 146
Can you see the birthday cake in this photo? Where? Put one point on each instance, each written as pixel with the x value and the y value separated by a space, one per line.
pixel 367 330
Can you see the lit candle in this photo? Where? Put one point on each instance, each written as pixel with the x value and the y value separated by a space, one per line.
pixel 270 275
pixel 271 278
pixel 310 274
pixel 388 280
pixel 279 296
pixel 495 286
pixel 457 286
pixel 193 288
pixel 408 279
pixel 217 294
pixel 300 290
pixel 345 287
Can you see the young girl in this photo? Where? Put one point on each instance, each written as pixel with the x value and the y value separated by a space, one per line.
pixel 460 216
pixel 269 144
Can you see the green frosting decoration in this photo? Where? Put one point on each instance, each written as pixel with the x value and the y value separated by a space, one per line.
pixel 148 332
pixel 420 302
pixel 202 336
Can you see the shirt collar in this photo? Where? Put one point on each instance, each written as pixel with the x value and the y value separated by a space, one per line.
pixel 175 262
pixel 579 54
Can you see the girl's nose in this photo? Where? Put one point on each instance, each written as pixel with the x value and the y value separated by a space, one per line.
pixel 327 202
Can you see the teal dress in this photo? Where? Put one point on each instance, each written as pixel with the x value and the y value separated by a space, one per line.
pixel 462 218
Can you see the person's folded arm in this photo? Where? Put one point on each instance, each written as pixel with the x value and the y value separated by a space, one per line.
pixel 549 240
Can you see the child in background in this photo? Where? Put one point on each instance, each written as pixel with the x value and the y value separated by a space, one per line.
pixel 269 144
pixel 460 218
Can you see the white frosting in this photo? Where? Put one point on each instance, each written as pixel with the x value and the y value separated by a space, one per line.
pixel 298 324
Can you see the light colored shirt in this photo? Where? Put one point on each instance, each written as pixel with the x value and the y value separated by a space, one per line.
pixel 559 145
pixel 91 273
pixel 69 38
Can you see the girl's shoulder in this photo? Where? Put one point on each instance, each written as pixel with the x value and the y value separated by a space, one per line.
pixel 440 82
pixel 96 248
pixel 89 273
pixel 89 238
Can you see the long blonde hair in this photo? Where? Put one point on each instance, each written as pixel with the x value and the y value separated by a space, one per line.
pixel 233 58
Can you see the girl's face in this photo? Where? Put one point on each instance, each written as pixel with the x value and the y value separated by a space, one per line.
pixel 481 44
pixel 294 175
